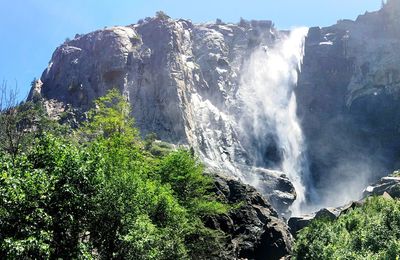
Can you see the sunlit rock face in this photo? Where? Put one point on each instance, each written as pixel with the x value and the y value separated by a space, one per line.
pixel 348 101
pixel 182 80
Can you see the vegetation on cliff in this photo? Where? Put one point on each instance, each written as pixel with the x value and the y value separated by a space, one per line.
pixel 100 192
pixel 368 232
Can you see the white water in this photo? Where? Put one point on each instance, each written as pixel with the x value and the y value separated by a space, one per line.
pixel 267 94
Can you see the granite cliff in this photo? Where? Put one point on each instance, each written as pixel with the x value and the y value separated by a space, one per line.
pixel 185 83
pixel 348 95
pixel 182 80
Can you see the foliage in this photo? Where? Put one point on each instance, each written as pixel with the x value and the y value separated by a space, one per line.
pixel 369 232
pixel 156 147
pixel 105 196
pixel 19 124
pixel 396 173
pixel 45 198
pixel 185 175
pixel 111 116
pixel 162 15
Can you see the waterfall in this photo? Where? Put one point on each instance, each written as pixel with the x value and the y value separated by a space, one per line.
pixel 269 105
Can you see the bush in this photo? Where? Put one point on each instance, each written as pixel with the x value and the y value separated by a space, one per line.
pixel 45 200
pixel 162 16
pixel 368 232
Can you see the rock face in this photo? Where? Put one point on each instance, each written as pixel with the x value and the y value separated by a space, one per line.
pixel 348 100
pixel 181 79
pixel 254 229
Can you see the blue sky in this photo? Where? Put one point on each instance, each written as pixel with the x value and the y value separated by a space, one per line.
pixel 31 29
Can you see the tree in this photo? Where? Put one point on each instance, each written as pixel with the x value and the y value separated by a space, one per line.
pixel 17 120
pixel 45 201
pixel 104 195
pixel 162 16
pixel 111 116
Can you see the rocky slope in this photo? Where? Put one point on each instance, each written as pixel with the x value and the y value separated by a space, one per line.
pixel 254 229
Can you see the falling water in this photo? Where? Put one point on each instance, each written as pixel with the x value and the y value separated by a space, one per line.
pixel 268 98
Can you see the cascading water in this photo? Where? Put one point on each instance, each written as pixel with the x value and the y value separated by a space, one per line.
pixel 269 105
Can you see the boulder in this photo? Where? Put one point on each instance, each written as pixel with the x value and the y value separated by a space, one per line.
pixel 276 186
pixel 298 223
pixel 254 229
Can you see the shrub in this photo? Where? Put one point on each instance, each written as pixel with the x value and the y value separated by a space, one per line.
pixel 162 16
pixel 368 232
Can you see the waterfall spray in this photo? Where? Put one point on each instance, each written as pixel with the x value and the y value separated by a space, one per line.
pixel 269 103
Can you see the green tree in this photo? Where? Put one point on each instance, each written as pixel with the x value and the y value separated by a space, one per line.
pixel 162 15
pixel 111 116
pixel 105 196
pixel 45 200
pixel 20 123
pixel 183 172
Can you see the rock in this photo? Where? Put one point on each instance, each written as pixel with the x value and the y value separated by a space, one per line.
pixel 327 213
pixel 36 90
pixel 254 229
pixel 276 187
pixel 347 97
pixel 350 206
pixel 386 196
pixel 389 185
pixel 298 223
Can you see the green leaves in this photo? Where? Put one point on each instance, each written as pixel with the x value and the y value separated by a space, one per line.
pixel 24 224
pixel 108 196
pixel 111 116
pixel 369 232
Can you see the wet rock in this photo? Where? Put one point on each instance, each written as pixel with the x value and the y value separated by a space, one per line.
pixel 389 185
pixel 347 97
pixel 276 187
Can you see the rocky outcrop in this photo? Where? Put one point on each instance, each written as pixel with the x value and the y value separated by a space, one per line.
pixel 298 223
pixel 254 229
pixel 348 101
pixel 389 185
